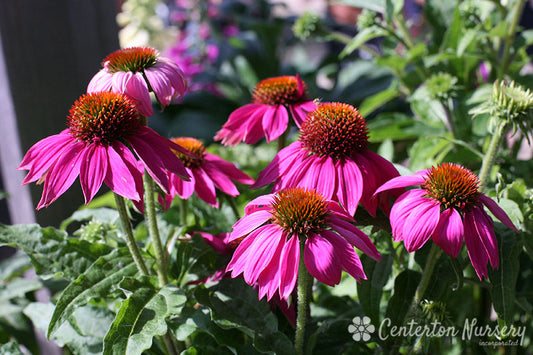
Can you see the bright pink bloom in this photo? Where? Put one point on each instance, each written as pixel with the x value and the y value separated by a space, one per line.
pixel 449 209
pixel 273 228
pixel 135 72
pixel 102 128
pixel 268 114
pixel 331 156
pixel 208 172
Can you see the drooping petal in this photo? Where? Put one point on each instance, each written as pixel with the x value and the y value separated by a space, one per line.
pixel 321 260
pixel 160 85
pixel 174 74
pixel 349 259
pixel 254 127
pixel 136 88
pixel 278 166
pixel 102 81
pixel 248 223
pixel 354 236
pixel 350 187
pixel 449 232
pixel 485 230
pixel 402 181
pixel 123 175
pixel 239 261
pixel 268 280
pixel 476 249
pixel 221 180
pixel 299 111
pixel 228 169
pixel 420 225
pixel 497 211
pixel 184 189
pixel 289 259
pixel 61 174
pixel 275 122
pixel 402 208
pixel 151 160
pixel 205 187
pixel 93 170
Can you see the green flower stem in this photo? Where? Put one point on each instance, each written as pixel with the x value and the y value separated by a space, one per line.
pixel 130 239
pixel 490 156
pixel 431 261
pixel 184 208
pixel 153 229
pixel 282 140
pixel 233 204
pixel 304 293
pixel 509 38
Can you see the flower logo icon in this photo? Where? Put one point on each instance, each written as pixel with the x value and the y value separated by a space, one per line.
pixel 361 328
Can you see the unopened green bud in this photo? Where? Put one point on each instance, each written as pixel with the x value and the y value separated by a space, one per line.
pixel 306 26
pixel 442 86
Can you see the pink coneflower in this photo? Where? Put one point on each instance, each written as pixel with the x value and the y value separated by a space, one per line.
pixel 273 227
pixel 331 156
pixel 208 172
pixel 102 128
pixel 268 114
pixel 136 71
pixel 449 209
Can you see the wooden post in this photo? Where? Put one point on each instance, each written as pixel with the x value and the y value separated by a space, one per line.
pixel 50 50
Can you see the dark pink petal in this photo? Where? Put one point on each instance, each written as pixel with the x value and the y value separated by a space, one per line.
pixel 61 174
pixel 449 232
pixel 281 162
pixel 205 187
pixel 43 154
pixel 485 229
pixel 497 211
pixel 289 259
pixel 263 202
pixel 321 260
pixel 349 259
pixel 263 249
pixel 327 180
pixel 275 122
pixel 254 127
pixel 269 279
pixel 421 224
pixel 221 180
pixel 151 160
pixel 340 212
pixel 292 177
pixel 123 175
pixel 299 111
pixel 136 88
pixel 93 170
pixel 184 189
pixel 248 223
pixel 238 118
pixel 402 208
pixel 240 258
pixel 350 187
pixel 354 236
pixel 160 85
pixel 219 242
pixel 401 181
pixel 229 169
pixel 476 249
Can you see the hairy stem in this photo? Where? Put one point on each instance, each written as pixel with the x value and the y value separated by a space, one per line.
pixel 490 156
pixel 431 261
pixel 153 229
pixel 304 292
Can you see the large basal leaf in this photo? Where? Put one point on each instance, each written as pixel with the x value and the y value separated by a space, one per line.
pixel 97 281
pixel 369 291
pixel 51 251
pixel 504 278
pixel 105 215
pixel 142 316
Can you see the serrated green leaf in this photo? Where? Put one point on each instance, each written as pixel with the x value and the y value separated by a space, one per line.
pixel 405 286
pixel 97 281
pixel 369 291
pixel 51 251
pixel 504 278
pixel 142 316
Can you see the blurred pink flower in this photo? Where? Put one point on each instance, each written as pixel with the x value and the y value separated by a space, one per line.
pixel 273 228
pixel 331 156
pixel 102 128
pixel 136 71
pixel 208 172
pixel 449 209
pixel 268 114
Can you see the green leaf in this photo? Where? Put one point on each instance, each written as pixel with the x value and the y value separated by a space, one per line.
pixel 142 316
pixel 105 215
pixel 397 126
pixel 97 281
pixel 18 288
pixel 504 278
pixel 369 291
pixel 361 38
pixel 427 152
pixel 374 102
pixel 405 286
pixel 467 38
pixel 374 5
pixel 11 348
pixel 51 251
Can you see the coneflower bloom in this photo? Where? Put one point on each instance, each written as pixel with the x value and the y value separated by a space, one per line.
pixel 273 227
pixel 136 71
pixel 449 209
pixel 331 156
pixel 105 142
pixel 268 114
pixel 208 172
